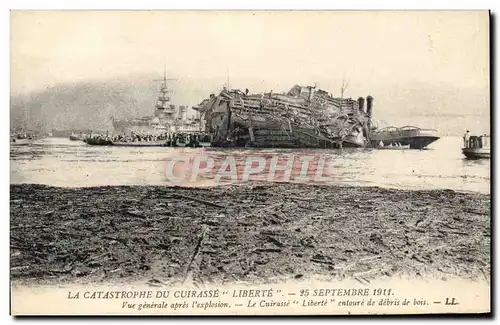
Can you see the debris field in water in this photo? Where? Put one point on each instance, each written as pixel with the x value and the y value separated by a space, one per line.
pixel 245 233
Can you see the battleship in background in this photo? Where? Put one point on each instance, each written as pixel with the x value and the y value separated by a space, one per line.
pixel 167 118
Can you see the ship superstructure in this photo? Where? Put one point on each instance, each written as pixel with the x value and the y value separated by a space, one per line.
pixel 167 118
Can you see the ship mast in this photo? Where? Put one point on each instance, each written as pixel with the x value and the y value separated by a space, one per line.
pixel 27 113
pixel 342 90
pixel 162 106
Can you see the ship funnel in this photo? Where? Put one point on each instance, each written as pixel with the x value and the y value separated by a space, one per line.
pixel 369 105
pixel 182 112
pixel 361 104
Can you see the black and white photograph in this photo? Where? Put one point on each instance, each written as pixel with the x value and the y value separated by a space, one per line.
pixel 245 162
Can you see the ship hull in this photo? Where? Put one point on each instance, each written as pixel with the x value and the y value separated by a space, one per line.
pixel 98 142
pixel 272 133
pixel 140 144
pixel 131 128
pixel 473 153
pixel 21 141
pixel 419 142
pixel 299 138
pixel 403 147
pixel 413 137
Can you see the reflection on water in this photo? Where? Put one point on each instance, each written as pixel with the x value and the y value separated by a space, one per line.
pixel 61 162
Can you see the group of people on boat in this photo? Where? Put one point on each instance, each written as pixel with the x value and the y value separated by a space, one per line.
pixel 20 136
pixel 390 145
pixel 169 139
pixel 139 137
pixel 472 141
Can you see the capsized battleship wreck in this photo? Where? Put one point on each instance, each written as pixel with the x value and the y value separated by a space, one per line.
pixel 304 117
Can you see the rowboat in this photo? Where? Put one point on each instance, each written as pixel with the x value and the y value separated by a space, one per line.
pixel 20 141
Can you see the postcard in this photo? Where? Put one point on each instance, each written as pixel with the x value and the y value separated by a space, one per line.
pixel 250 162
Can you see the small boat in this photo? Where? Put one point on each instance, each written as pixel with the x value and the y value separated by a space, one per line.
pixel 478 147
pixel 98 142
pixel 20 141
pixel 141 144
pixel 74 137
pixel 21 138
pixel 413 136
pixel 476 153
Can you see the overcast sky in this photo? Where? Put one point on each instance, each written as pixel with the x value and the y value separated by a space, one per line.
pixel 449 47
pixel 420 54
